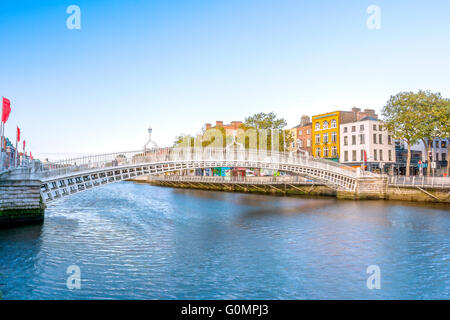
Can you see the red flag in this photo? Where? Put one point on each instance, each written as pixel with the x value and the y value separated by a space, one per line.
pixel 31 156
pixel 23 145
pixel 365 156
pixel 18 134
pixel 6 109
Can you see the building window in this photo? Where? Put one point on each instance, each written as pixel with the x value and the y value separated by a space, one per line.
pixel 345 129
pixel 354 155
pixel 300 143
pixel 325 125
pixel 381 155
pixel 333 123
pixel 361 139
pixel 307 131
pixel 389 139
pixel 361 127
pixel 374 127
pixel 444 144
pixel 317 138
pixel 317 153
pixel 444 156
pixel 380 127
pixel 375 155
pixel 317 125
pixel 334 136
pixel 325 138
pixel 375 138
pixel 353 139
pixel 308 143
pixel 346 156
pixel 300 132
pixel 380 138
pixel 362 155
pixel 346 141
pixel 325 152
pixel 334 151
pixel 390 155
pixel 353 128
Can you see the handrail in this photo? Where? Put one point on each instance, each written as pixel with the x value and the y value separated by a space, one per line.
pixel 177 154
pixel 420 181
pixel 229 179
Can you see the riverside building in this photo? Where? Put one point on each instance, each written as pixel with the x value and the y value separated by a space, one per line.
pixel 326 131
pixel 366 143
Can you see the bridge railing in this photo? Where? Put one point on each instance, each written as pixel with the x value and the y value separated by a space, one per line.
pixel 175 154
pixel 420 181
pixel 244 180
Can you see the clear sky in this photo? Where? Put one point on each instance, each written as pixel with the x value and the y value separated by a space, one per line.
pixel 176 65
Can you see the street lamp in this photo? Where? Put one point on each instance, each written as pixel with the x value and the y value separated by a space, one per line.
pixel 150 141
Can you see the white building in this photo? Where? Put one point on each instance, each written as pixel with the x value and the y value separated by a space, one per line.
pixel 366 142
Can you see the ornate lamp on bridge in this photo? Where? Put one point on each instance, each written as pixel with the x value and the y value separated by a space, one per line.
pixel 234 142
pixel 150 141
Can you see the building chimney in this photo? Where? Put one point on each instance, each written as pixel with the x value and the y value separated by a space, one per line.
pixel 208 126
pixel 370 112
pixel 219 123
pixel 356 110
pixel 236 124
pixel 304 121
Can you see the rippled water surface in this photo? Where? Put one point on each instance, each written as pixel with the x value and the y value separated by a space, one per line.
pixel 135 241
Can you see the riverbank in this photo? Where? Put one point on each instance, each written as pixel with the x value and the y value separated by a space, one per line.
pixel 275 189
pixel 20 203
pixel 415 194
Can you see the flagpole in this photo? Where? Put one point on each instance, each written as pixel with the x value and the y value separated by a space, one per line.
pixel 2 151
pixel 16 153
pixel 2 154
pixel 3 129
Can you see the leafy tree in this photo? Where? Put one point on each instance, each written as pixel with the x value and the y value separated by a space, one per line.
pixel 268 125
pixel 400 117
pixel 184 140
pixel 258 124
pixel 443 126
pixel 209 138
pixel 264 121
pixel 427 112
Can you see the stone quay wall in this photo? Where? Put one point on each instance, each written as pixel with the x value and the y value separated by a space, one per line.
pixel 20 202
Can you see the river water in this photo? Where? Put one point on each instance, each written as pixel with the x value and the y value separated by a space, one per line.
pixel 136 241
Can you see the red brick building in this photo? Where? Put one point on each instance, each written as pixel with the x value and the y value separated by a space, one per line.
pixel 229 128
pixel 303 135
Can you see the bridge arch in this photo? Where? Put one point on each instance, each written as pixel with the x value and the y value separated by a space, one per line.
pixel 72 176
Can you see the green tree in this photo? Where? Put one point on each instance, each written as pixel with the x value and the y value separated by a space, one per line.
pixel 443 126
pixel 184 140
pixel 264 121
pixel 272 126
pixel 427 112
pixel 400 118
pixel 209 139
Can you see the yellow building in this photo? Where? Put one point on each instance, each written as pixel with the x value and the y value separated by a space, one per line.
pixel 293 146
pixel 325 131
pixel 325 135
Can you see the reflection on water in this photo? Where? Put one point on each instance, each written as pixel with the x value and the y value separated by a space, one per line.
pixel 135 241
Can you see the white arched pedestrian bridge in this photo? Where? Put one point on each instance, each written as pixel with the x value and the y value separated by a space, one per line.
pixel 66 177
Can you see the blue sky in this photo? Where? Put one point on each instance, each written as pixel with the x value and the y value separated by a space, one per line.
pixel 175 65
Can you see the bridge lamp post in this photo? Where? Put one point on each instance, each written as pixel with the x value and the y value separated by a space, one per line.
pixel 150 141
